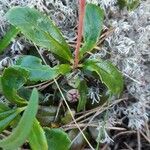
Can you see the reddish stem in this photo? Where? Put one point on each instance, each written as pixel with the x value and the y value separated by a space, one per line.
pixel 80 28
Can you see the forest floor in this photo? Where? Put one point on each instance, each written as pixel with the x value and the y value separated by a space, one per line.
pixel 126 43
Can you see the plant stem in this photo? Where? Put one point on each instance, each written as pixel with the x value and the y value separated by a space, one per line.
pixel 80 29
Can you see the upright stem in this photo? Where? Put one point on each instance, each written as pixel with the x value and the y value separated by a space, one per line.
pixel 80 29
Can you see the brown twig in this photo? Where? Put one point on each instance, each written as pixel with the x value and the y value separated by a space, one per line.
pixel 105 147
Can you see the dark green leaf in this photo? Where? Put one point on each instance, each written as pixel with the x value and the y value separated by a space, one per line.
pixel 130 4
pixel 93 22
pixel 122 3
pixel 3 107
pixel 108 74
pixel 13 31
pixel 21 132
pixel 8 117
pixel 83 91
pixel 26 93
pixel 40 29
pixel 0 85
pixel 37 138
pixel 37 71
pixel 7 113
pixel 57 139
pixel 13 79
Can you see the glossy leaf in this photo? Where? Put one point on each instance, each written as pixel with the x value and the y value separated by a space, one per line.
pixel 21 132
pixel 83 91
pixel 39 72
pixel 37 138
pixel 39 29
pixel 12 79
pixel 5 41
pixel 8 117
pixel 108 74
pixel 93 22
pixel 57 139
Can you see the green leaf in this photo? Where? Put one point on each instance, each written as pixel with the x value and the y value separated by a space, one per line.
pixel 63 69
pixel 121 3
pixel 93 22
pixel 130 4
pixel 57 139
pixel 13 31
pixel 7 113
pixel 39 29
pixel 21 132
pixel 8 117
pixel 37 138
pixel 26 93
pixel 3 107
pixel 108 74
pixel 83 91
pixel 0 85
pixel 37 71
pixel 68 117
pixel 13 79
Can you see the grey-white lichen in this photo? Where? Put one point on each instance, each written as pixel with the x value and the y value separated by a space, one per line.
pixel 128 47
pixel 94 94
pixel 137 115
pixel 4 63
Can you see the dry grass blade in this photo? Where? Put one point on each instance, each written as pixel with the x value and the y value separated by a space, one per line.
pixel 130 148
pixel 63 97
pixel 58 109
pixel 96 114
pixel 122 133
pixel 73 126
pixel 72 115
pixel 97 109
pixel 139 140
pixel 146 138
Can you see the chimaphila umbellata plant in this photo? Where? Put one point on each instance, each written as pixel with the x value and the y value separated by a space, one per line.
pixel 75 76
